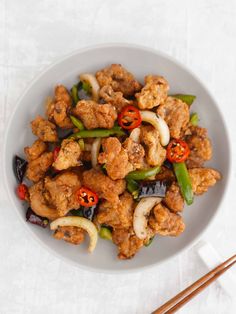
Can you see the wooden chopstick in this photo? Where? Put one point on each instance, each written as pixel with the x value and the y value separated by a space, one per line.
pixel 186 295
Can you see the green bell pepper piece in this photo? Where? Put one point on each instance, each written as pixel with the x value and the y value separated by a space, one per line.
pixel 188 99
pixel 143 174
pixel 183 178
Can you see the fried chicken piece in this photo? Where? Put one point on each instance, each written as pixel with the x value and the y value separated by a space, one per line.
pixel 44 129
pixel 202 179
pixel 135 153
pixel 103 185
pixel 119 215
pixel 128 243
pixel 36 150
pixel 38 202
pixel 154 93
pixel 94 115
pixel 61 192
pixel 116 158
pixel 200 147
pixel 73 235
pixel 68 156
pixel 116 99
pixel 165 174
pixel 173 199
pixel 155 153
pixel 59 108
pixel 37 168
pixel 119 79
pixel 164 222
pixel 176 114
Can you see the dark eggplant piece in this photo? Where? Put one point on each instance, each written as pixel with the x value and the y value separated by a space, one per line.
pixel 35 219
pixel 19 167
pixel 77 212
pixel 153 188
pixel 89 212
pixel 168 164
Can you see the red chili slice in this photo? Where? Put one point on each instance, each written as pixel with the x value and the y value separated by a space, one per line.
pixel 177 151
pixel 22 191
pixel 56 152
pixel 129 118
pixel 86 197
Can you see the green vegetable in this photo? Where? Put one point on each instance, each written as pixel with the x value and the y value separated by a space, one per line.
pixel 87 87
pixel 183 178
pixel 132 187
pixel 188 99
pixel 74 94
pixel 98 133
pixel 105 233
pixel 77 123
pixel 81 143
pixel 149 242
pixel 143 174
pixel 77 212
pixel 194 119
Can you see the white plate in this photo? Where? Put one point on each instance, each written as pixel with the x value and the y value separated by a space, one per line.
pixel 140 61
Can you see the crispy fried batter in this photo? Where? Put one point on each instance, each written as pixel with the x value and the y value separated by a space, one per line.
pixel 94 115
pixel 155 153
pixel 115 157
pixel 165 174
pixel 153 93
pixel 68 155
pixel 128 243
pixel 164 222
pixel 176 114
pixel 44 129
pixel 203 178
pixel 119 215
pixel 34 151
pixel 200 147
pixel 135 153
pixel 173 199
pixel 119 79
pixel 73 235
pixel 37 168
pixel 103 185
pixel 59 108
pixel 116 99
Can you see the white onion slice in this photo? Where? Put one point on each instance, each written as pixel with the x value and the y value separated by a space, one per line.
pixel 135 135
pixel 140 215
pixel 159 124
pixel 95 151
pixel 92 81
pixel 80 222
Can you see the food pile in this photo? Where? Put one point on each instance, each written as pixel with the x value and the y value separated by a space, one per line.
pixel 114 158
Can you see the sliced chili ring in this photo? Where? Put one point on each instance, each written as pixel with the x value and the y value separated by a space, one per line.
pixel 129 118
pixel 56 152
pixel 86 197
pixel 177 151
pixel 22 191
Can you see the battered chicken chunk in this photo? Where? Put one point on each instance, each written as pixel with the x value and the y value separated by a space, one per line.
pixel 119 79
pixel 59 108
pixel 164 222
pixel 119 215
pixel 68 155
pixel 61 192
pixel 116 158
pixel 34 151
pixel 103 185
pixel 116 99
pixel 173 199
pixel 165 174
pixel 72 235
pixel 94 115
pixel 135 153
pixel 176 114
pixel 44 129
pixel 202 179
pixel 37 168
pixel 154 92
pixel 200 147
pixel 128 243
pixel 155 153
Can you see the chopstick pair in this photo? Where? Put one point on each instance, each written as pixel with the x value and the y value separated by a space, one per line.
pixel 190 292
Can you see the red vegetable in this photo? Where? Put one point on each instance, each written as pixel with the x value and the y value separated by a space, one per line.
pixel 22 191
pixel 177 151
pixel 86 197
pixel 56 152
pixel 129 118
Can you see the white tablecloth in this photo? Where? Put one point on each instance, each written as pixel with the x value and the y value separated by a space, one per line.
pixel 202 35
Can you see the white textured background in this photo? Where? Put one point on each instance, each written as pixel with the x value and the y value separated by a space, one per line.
pixel 202 35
